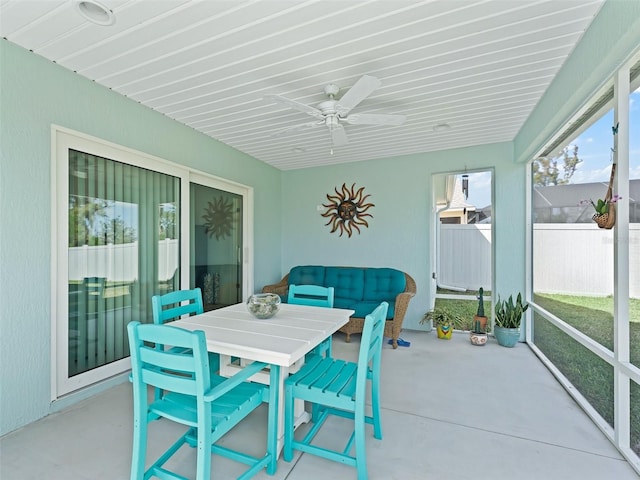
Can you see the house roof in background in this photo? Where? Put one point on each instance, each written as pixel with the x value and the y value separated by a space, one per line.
pixel 561 196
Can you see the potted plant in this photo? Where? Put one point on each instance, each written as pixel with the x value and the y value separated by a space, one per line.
pixel 443 320
pixel 480 316
pixel 605 209
pixel 508 319
pixel 478 335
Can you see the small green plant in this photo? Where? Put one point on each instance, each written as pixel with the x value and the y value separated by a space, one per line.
pixel 480 312
pixel 508 313
pixel 477 327
pixel 601 206
pixel 441 317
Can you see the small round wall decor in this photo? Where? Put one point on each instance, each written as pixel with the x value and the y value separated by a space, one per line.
pixel 218 217
pixel 347 209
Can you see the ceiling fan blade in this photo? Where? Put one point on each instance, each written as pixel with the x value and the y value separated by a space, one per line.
pixel 296 128
pixel 374 119
pixel 314 112
pixel 338 136
pixel 360 90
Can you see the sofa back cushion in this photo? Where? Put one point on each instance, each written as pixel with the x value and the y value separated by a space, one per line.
pixel 307 275
pixel 382 284
pixel 347 282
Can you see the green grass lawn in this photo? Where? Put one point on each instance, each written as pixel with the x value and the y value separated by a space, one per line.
pixel 593 316
pixel 592 376
pixel 465 309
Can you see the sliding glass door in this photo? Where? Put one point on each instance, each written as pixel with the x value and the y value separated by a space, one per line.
pixel 216 236
pixel 127 227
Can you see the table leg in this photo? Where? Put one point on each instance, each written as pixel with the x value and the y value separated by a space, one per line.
pixel 228 369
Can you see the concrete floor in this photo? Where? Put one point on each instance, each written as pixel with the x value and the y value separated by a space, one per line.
pixel 450 411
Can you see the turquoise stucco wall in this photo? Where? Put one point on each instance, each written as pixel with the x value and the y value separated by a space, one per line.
pixel 35 93
pixel 399 232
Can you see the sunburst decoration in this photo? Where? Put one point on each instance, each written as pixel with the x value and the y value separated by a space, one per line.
pixel 347 209
pixel 218 218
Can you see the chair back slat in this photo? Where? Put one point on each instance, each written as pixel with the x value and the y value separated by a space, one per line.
pixel 179 372
pixel 312 295
pixel 370 347
pixel 169 381
pixel 172 306
pixel 177 361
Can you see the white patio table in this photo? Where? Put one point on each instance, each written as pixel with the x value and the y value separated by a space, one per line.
pixel 282 340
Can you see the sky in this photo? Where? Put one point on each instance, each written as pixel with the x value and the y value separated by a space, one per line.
pixel 594 149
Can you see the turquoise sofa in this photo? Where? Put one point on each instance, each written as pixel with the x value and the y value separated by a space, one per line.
pixel 357 288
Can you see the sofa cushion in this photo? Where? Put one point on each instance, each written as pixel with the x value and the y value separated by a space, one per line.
pixel 383 284
pixel 347 282
pixel 365 307
pixel 307 275
pixel 348 303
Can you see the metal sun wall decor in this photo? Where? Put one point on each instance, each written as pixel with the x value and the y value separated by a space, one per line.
pixel 218 218
pixel 347 209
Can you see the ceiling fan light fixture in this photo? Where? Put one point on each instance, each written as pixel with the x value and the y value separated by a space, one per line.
pixel 334 113
pixel 441 127
pixel 95 12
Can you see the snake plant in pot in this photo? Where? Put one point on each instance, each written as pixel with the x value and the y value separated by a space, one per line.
pixel 508 320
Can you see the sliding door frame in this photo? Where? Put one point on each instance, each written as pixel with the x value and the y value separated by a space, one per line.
pixel 63 139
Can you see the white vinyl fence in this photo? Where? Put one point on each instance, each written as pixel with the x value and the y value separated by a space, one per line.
pixel 465 256
pixel 572 259
pixel 119 263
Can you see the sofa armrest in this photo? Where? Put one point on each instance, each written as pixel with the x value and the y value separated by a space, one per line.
pixel 281 288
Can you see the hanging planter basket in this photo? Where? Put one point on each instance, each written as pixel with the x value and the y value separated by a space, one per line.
pixel 607 220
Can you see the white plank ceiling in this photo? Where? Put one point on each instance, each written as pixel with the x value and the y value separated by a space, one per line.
pixel 479 66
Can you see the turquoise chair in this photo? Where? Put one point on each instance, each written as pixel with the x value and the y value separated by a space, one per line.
pixel 339 388
pixel 209 410
pixel 315 296
pixel 173 305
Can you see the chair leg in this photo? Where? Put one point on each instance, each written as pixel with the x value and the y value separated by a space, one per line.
pixel 214 362
pixel 203 461
pixel 157 395
pixel 375 408
pixel 139 450
pixel 315 412
pixel 361 453
pixel 287 453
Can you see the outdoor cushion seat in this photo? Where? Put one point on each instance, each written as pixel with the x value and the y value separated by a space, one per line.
pixel 360 289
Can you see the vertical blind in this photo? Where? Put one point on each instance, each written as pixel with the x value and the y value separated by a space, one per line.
pixel 123 249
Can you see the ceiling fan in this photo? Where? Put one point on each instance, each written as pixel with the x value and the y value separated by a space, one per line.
pixel 333 113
